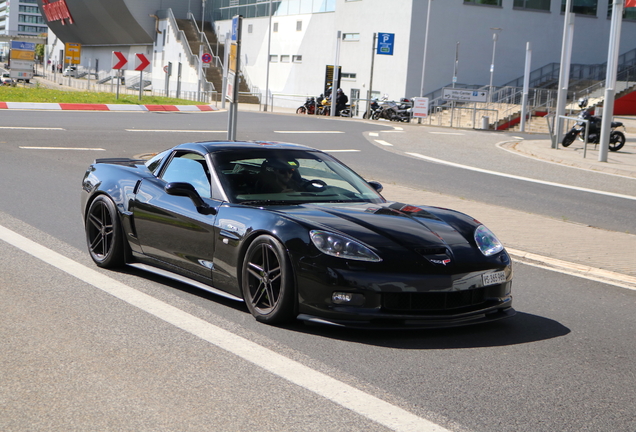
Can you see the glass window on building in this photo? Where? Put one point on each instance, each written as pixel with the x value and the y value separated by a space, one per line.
pixel 484 2
pixel 297 59
pixel 628 13
pixel 284 58
pixel 582 7
pixel 543 5
pixel 226 9
pixel 349 37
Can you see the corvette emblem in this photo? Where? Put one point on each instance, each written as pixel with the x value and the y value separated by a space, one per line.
pixel 442 262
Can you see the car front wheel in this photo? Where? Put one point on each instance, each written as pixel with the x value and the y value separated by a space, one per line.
pixel 267 281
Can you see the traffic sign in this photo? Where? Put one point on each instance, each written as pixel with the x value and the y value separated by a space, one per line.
pixel 206 58
pixel 141 61
pixel 385 43
pixel 119 60
pixel 465 95
pixel 73 52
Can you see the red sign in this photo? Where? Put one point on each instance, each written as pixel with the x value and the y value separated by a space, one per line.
pixel 141 61
pixel 120 59
pixel 57 11
pixel 206 58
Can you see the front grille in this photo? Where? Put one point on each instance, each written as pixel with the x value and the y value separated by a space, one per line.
pixel 432 301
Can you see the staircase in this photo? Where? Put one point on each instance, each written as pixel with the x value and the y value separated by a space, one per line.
pixel 214 73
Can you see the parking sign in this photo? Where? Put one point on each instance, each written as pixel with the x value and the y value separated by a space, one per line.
pixel 385 43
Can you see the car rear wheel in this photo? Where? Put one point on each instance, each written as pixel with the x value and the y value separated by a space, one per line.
pixel 103 233
pixel 267 281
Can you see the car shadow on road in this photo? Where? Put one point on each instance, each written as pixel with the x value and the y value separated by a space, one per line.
pixel 520 329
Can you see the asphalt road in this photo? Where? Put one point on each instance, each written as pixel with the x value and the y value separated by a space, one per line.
pixel 79 356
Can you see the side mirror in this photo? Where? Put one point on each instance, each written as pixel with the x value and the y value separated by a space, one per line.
pixel 376 185
pixel 187 190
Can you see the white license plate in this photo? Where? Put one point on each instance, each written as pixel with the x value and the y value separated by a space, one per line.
pixel 494 278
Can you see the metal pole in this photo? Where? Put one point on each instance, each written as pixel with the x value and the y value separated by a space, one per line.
pixel 200 71
pixel 375 35
pixel 492 63
pixel 526 85
pixel 610 79
pixel 269 48
pixel 334 90
pixel 564 71
pixel 428 17
pixel 202 17
pixel 456 67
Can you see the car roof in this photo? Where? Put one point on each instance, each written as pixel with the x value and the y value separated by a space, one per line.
pixel 221 146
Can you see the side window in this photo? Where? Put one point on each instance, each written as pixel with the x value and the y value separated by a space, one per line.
pixel 154 162
pixel 189 168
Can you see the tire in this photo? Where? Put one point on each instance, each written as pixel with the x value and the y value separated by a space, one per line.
pixel 365 115
pixel 267 281
pixel 104 235
pixel 617 141
pixel 301 110
pixel 568 139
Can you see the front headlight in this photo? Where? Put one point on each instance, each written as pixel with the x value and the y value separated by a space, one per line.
pixel 342 247
pixel 486 241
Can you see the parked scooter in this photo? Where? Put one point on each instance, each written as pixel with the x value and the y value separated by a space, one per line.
pixel 309 107
pixel 617 138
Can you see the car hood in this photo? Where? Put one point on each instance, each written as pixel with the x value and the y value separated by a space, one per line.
pixel 383 226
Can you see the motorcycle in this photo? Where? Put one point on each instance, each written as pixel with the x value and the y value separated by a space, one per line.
pixel 374 107
pixel 617 138
pixel 309 107
pixel 391 110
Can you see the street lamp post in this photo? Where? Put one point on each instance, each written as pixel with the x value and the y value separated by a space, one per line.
pixel 269 50
pixel 492 63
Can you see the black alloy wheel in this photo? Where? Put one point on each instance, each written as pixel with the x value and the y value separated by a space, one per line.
pixel 617 141
pixel 103 233
pixel 568 139
pixel 267 281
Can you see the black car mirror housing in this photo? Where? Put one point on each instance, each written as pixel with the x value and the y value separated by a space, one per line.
pixel 187 190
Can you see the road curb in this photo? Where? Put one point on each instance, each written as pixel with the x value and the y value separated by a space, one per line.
pixel 105 107
pixel 597 274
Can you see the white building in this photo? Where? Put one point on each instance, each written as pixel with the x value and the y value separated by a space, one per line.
pixel 19 18
pixel 303 41
pixel 463 38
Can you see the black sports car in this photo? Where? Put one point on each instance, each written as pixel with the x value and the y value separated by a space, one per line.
pixel 295 234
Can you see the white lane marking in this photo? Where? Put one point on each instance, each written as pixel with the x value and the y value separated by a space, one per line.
pixel 308 132
pixel 447 133
pixel 519 138
pixel 374 134
pixel 531 180
pixel 31 128
pixel 62 148
pixel 336 391
pixel 384 143
pixel 500 145
pixel 341 151
pixel 175 130
pixel 572 269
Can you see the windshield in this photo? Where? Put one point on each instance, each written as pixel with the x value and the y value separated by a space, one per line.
pixel 289 177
